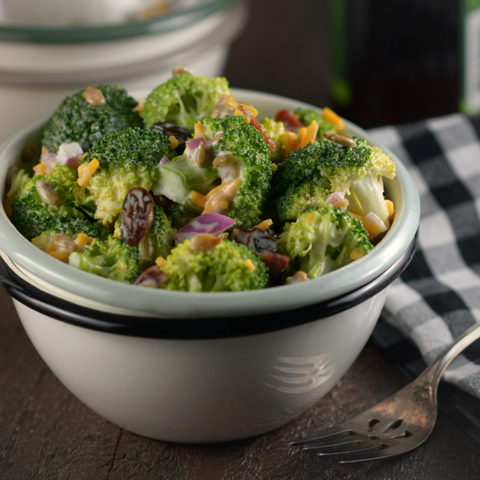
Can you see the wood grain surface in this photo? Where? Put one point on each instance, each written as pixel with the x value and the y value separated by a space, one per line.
pixel 46 433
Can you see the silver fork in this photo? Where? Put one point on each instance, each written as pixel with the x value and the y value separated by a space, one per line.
pixel 396 425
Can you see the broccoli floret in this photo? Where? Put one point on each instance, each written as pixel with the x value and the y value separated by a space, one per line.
pixel 307 116
pixel 184 99
pixel 229 266
pixel 275 130
pixel 295 199
pixel 323 239
pixel 321 168
pixel 128 158
pixel 366 194
pixel 158 240
pixel 32 214
pixel 179 177
pixel 180 215
pixel 77 120
pixel 110 258
pixel 248 162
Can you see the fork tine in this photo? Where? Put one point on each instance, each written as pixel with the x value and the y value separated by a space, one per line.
pixel 326 434
pixel 328 447
pixel 349 448
pixel 369 455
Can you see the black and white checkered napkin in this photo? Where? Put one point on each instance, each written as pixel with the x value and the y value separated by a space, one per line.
pixel 438 296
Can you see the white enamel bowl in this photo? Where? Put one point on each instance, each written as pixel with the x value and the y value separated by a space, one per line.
pixel 203 367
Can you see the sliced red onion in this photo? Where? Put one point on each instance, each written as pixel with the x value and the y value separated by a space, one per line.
pixel 68 153
pixel 50 160
pixel 213 223
pixel 164 160
pixel 337 199
pixel 152 277
pixel 195 142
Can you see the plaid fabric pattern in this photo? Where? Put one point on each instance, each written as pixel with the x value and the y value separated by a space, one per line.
pixel 438 296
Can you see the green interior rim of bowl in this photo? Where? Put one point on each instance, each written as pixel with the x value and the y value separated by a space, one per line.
pixel 175 20
pixel 200 305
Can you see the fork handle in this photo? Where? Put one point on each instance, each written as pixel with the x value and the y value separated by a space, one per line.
pixel 438 367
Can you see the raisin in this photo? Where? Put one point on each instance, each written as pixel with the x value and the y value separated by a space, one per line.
pixel 256 239
pixel 137 215
pixel 168 129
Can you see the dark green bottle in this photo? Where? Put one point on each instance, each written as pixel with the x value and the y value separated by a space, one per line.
pixel 401 60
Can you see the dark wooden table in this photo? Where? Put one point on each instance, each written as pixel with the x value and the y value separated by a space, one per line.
pixel 46 433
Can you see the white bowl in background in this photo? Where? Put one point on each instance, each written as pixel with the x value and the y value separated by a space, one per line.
pixel 202 367
pixel 39 67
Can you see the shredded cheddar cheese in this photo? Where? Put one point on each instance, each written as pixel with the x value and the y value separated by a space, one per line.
pixel 330 116
pixel 391 210
pixel 265 224
pixel 160 262
pixel 86 170
pixel 83 239
pixel 40 169
pixel 305 135
pixel 355 254
pixel 173 142
pixel 198 130
pixel 249 264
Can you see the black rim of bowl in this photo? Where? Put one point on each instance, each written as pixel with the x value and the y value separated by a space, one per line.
pixel 193 328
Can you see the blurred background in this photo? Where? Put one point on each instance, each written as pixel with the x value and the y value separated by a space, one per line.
pixel 374 62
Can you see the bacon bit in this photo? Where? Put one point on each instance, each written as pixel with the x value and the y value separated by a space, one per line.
pixel 268 140
pixel 220 197
pixel 330 116
pixel 265 224
pixel 355 254
pixel 289 119
pixel 173 142
pixel 160 262
pixel 249 264
pixel 391 210
pixel 198 199
pixel 275 262
pixel 203 242
pixel 40 169
pixel 305 135
pixel 198 130
pixel 93 96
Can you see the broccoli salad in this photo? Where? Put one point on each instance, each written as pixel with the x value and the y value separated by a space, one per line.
pixel 193 190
